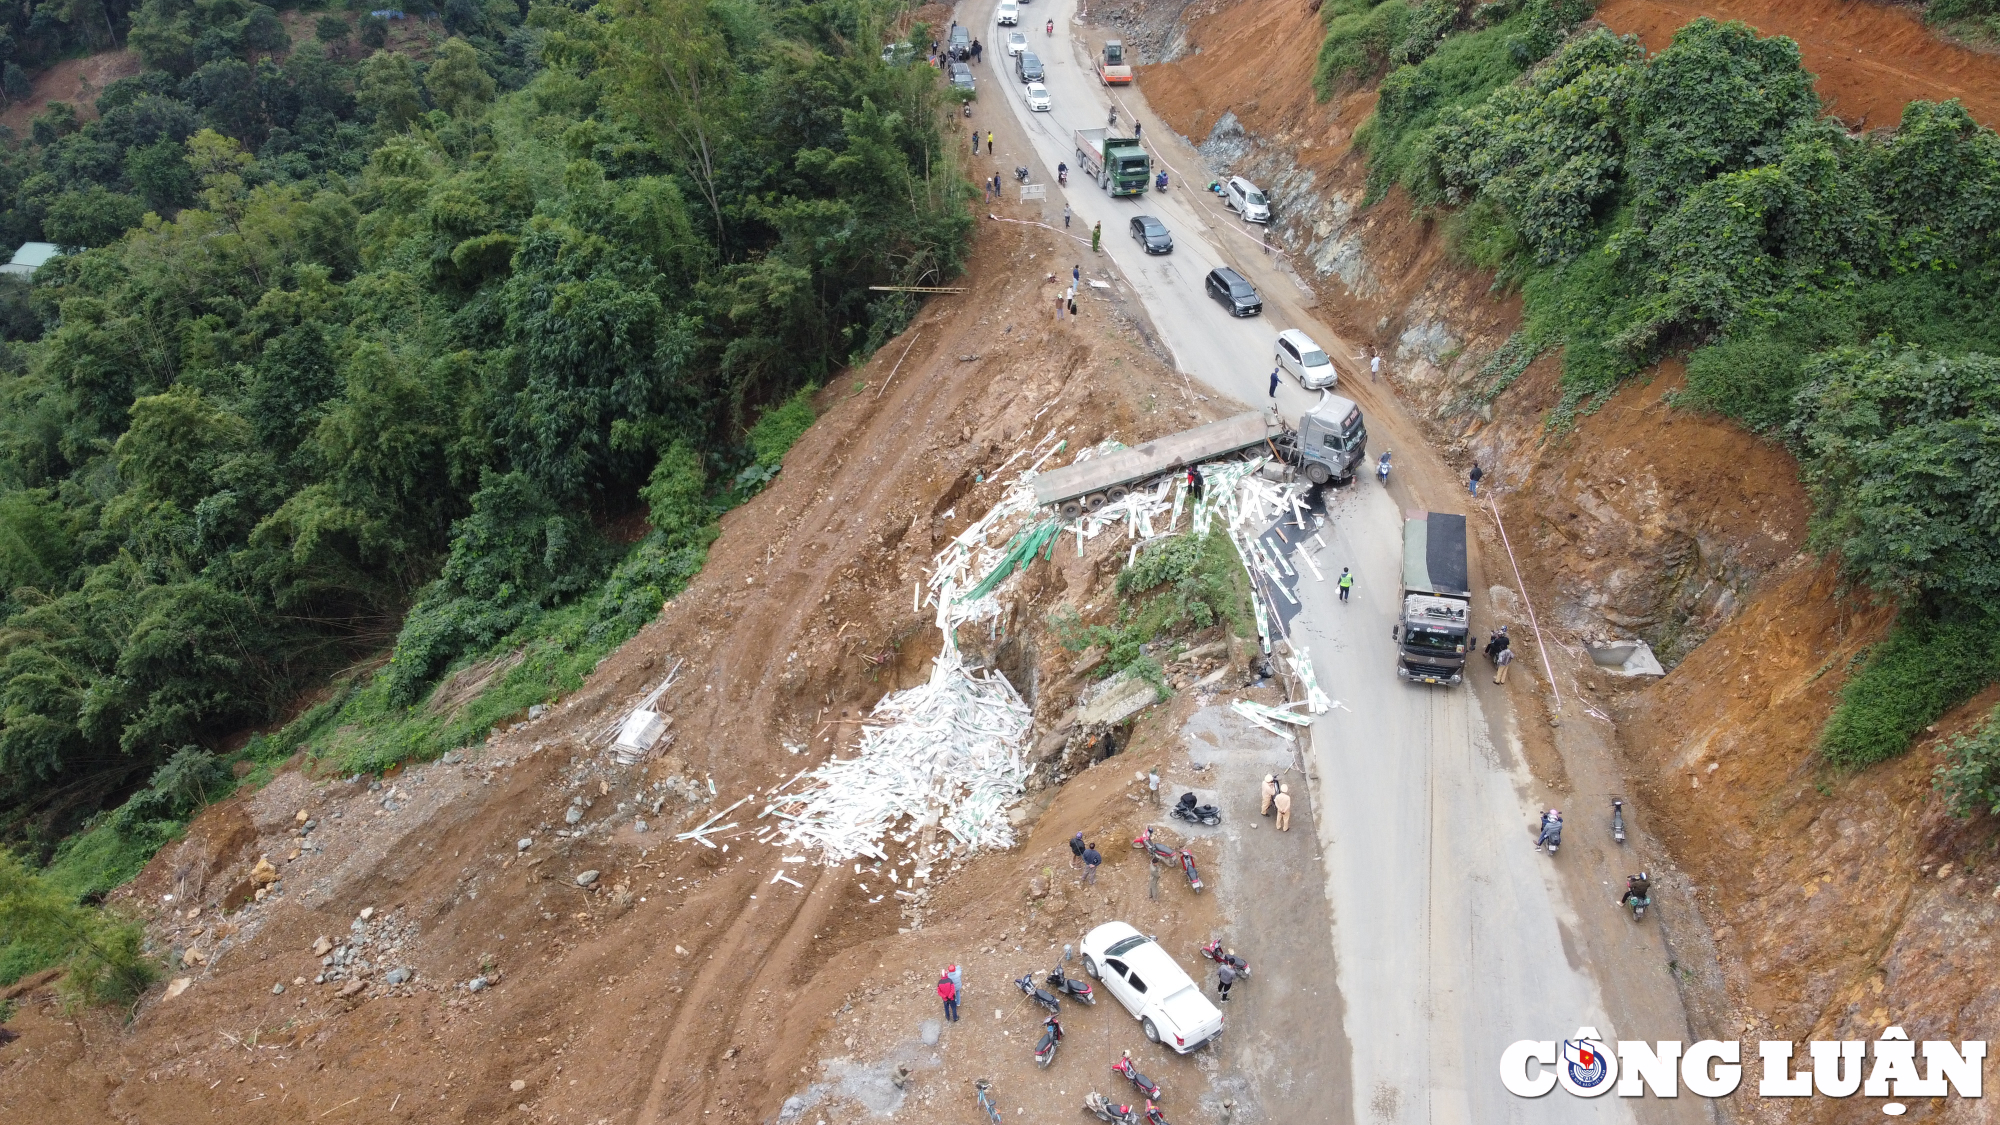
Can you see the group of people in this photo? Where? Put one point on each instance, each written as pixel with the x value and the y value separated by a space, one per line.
pixel 1278 801
pixel 1085 856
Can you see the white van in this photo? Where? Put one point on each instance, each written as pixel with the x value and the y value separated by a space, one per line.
pixel 1009 13
pixel 1306 360
pixel 1247 199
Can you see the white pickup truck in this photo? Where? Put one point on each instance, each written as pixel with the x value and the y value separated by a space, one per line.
pixel 1164 999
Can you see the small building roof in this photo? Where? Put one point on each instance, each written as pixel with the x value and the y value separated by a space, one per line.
pixel 31 257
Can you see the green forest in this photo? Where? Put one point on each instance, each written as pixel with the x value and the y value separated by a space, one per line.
pixel 1829 290
pixel 371 355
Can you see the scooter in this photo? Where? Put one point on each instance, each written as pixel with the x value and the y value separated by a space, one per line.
pixel 1552 832
pixel 1157 852
pixel 1021 173
pixel 1052 1033
pixel 1046 999
pixel 1382 470
pixel 1187 868
pixel 1062 176
pixel 1052 27
pixel 1074 987
pixel 1214 952
pixel 1635 898
pixel 1160 182
pixel 1108 1111
pixel 1130 1070
pixel 1497 643
pixel 1618 820
pixel 1153 1114
pixel 1195 814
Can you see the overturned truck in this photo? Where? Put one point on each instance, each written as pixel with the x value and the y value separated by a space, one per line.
pixel 1329 441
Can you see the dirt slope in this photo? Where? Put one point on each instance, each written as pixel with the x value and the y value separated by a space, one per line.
pixel 683 984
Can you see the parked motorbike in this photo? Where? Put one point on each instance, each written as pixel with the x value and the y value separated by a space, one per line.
pixel 1214 952
pixel 1021 173
pixel 1552 831
pixel 1187 869
pixel 1153 1114
pixel 1040 996
pixel 1075 987
pixel 1107 1110
pixel 1382 469
pixel 1617 820
pixel 1195 814
pixel 1497 643
pixel 1130 1070
pixel 1045 1051
pixel 1158 852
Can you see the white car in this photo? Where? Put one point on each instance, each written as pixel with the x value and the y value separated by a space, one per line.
pixel 1016 42
pixel 1246 199
pixel 1139 973
pixel 1009 13
pixel 1038 97
pixel 1306 360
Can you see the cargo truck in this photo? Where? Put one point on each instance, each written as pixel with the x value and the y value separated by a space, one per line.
pixel 1433 631
pixel 1328 443
pixel 1118 164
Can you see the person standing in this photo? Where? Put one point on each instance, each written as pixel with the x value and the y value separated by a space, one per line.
pixel 1274 382
pixel 1136 129
pixel 1283 803
pixel 948 992
pixel 1076 275
pixel 1076 850
pixel 1065 216
pixel 1096 237
pixel 1375 363
pixel 1072 312
pixel 975 142
pixel 1504 660
pixel 1474 478
pixel 978 51
pixel 1346 582
pixel 1091 859
pixel 957 980
pixel 1225 977
pixel 1270 791
pixel 989 145
pixel 1060 299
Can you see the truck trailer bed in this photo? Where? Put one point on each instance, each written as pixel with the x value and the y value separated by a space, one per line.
pixel 1128 467
pixel 1434 554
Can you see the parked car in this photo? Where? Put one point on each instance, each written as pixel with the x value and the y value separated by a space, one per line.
pixel 1028 65
pixel 960 46
pixel 1008 14
pixel 1038 97
pixel 1017 42
pixel 1247 199
pixel 1152 234
pixel 1236 294
pixel 961 76
pixel 1158 993
pixel 1306 360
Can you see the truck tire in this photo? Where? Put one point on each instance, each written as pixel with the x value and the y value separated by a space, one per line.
pixel 1094 501
pixel 1116 493
pixel 1070 509
pixel 1318 473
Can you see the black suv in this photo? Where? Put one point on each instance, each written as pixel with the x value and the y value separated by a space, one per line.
pixel 1028 66
pixel 960 46
pixel 1237 295
pixel 1152 234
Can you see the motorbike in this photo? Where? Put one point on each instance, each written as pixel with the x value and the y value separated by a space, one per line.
pixel 1021 173
pixel 1214 952
pixel 1158 852
pixel 1187 869
pixel 1130 1070
pixel 1052 1033
pixel 1052 27
pixel 1106 1110
pixel 1074 987
pixel 1382 470
pixel 1497 643
pixel 1153 1114
pixel 1195 814
pixel 1112 121
pixel 1618 820
pixel 1638 895
pixel 1160 182
pixel 1040 996
pixel 1552 831
pixel 1062 176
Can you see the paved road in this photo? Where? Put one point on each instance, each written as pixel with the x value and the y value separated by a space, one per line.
pixel 1452 936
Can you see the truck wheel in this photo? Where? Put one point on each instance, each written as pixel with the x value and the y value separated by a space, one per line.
pixel 1094 501
pixel 1117 493
pixel 1318 473
pixel 1071 509
pixel 1152 1033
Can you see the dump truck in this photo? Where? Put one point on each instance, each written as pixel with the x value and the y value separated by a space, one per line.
pixel 1433 632
pixel 1329 441
pixel 1118 164
pixel 1111 67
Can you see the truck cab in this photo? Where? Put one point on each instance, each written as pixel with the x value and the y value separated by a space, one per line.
pixel 1332 440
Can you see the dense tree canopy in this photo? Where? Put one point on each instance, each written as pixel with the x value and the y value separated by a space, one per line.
pixel 362 353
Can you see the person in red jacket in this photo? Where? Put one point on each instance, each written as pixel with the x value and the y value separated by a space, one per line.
pixel 948 992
